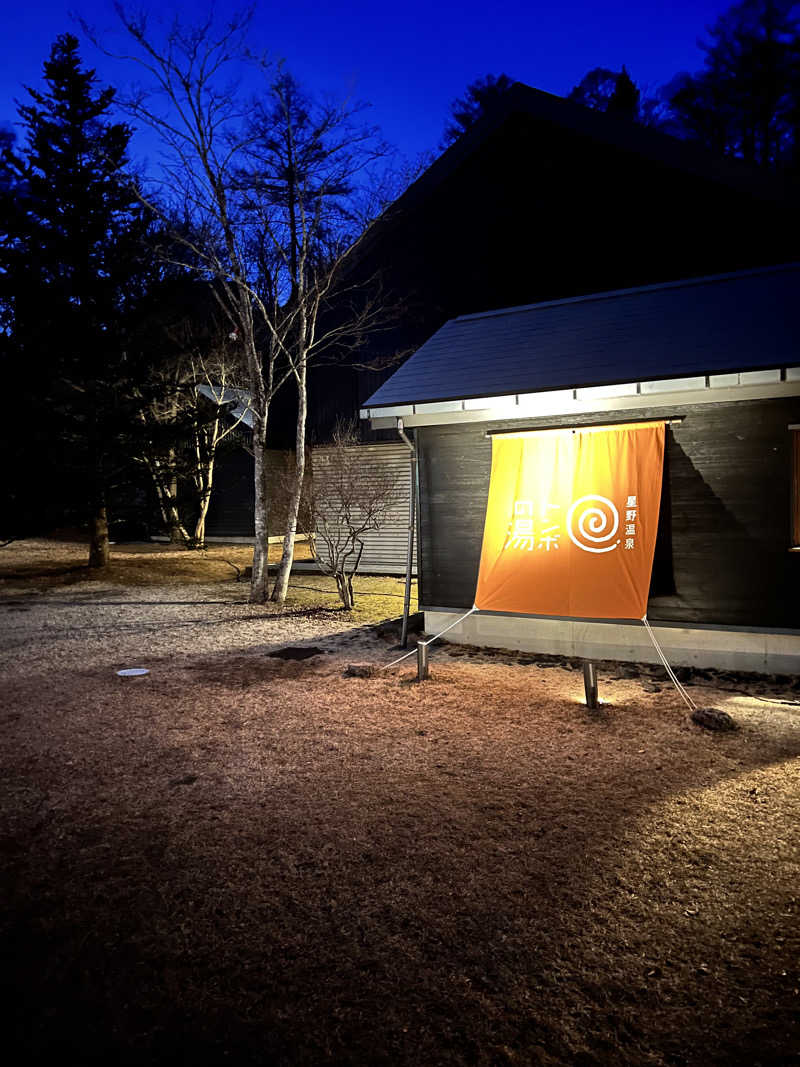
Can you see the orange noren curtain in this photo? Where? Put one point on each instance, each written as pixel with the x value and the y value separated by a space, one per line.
pixel 571 522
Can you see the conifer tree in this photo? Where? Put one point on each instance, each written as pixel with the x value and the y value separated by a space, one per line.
pixel 70 259
pixel 612 91
pixel 479 98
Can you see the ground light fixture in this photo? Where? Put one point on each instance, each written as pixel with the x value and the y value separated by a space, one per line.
pixel 590 683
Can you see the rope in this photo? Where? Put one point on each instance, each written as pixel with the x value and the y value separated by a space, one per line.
pixel 685 696
pixel 430 640
pixel 673 677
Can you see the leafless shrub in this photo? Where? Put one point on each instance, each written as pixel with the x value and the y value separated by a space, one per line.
pixel 346 501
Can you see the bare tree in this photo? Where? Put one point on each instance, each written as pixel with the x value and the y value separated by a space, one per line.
pixel 346 502
pixel 264 187
pixel 191 396
pixel 159 408
pixel 217 381
pixel 191 101
pixel 307 160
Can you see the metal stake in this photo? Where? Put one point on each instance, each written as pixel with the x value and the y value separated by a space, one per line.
pixel 590 683
pixel 422 660
pixel 412 523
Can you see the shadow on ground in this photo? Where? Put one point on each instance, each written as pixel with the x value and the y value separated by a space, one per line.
pixel 246 860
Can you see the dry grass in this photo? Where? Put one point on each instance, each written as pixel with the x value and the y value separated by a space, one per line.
pixel 245 860
pixel 41 565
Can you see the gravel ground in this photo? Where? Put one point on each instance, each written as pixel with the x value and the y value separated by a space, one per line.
pixel 243 859
pixel 114 627
pixel 50 623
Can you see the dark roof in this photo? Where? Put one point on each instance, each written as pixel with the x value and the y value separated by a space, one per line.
pixel 728 322
pixel 594 125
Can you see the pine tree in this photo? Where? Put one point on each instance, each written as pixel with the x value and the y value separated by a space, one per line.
pixel 71 257
pixel 746 100
pixel 612 91
pixel 480 97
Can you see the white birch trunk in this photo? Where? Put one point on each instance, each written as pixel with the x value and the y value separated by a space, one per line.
pixel 287 556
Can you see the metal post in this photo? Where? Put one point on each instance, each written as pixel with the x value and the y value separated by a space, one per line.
pixel 422 660
pixel 412 522
pixel 590 683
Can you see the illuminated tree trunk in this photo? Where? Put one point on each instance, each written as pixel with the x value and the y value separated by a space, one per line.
pixel 98 535
pixel 287 557
pixel 259 591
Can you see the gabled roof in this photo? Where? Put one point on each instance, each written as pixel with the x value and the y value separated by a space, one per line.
pixel 729 322
pixel 597 126
pixel 237 401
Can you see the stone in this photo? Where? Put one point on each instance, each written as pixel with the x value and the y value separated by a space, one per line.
pixel 359 670
pixel 187 779
pixel 622 672
pixel 387 632
pixel 713 719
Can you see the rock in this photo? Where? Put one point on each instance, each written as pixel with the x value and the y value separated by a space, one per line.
pixel 713 719
pixel 187 779
pixel 651 687
pixel 387 632
pixel 779 681
pixel 359 670
pixel 625 672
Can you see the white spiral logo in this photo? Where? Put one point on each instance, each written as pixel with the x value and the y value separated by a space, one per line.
pixel 597 520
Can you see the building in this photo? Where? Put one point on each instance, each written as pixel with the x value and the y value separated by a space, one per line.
pixel 541 199
pixel 544 199
pixel 717 357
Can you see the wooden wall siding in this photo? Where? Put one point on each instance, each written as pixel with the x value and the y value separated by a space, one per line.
pixel 796 488
pixel 729 477
pixel 385 549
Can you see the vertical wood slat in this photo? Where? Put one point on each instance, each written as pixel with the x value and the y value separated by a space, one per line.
pixel 795 488
pixel 385 549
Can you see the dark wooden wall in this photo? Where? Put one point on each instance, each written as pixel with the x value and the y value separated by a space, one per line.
pixel 232 508
pixel 726 527
pixel 230 512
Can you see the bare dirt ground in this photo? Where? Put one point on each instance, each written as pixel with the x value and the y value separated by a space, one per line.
pixel 248 860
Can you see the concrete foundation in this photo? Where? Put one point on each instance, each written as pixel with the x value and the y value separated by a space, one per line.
pixel 724 648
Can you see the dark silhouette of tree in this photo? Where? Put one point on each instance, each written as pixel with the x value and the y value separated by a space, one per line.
pixel 746 100
pixel 616 93
pixel 480 96
pixel 73 244
pixel 625 99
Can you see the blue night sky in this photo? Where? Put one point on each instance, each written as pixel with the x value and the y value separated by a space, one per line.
pixel 411 60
